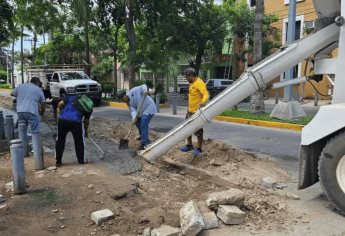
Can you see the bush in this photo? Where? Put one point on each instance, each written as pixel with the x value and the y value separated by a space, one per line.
pixel 164 98
pixel 5 86
pixel 108 88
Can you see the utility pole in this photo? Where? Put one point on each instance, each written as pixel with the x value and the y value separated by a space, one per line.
pixel 291 37
pixel 289 109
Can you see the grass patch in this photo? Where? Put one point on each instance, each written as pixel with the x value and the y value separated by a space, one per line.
pixel 44 197
pixel 264 117
pixel 5 86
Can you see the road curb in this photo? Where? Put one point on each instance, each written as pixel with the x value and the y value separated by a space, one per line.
pixel 260 123
pixel 270 124
pixel 124 105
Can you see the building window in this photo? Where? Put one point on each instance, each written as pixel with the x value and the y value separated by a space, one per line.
pixel 252 3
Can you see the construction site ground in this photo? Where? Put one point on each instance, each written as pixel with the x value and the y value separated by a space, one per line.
pixel 141 195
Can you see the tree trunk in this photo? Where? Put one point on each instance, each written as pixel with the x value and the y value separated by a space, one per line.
pixel 12 66
pixel 34 53
pixel 257 105
pixel 22 54
pixel 115 58
pixel 87 48
pixel 199 55
pixel 131 40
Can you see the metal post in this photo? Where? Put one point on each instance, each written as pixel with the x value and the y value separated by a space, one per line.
pixel 18 170
pixel 158 100
pixel 38 152
pixel 2 126
pixel 316 99
pixel 291 34
pixel 23 135
pixel 174 98
pixel 276 98
pixel 9 128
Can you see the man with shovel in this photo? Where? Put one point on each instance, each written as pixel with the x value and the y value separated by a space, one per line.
pixel 142 108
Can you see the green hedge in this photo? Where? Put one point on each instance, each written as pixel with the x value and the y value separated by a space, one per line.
pixel 5 86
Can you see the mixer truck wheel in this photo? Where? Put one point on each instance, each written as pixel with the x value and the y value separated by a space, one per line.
pixel 332 171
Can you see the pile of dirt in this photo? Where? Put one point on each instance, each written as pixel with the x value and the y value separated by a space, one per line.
pixel 61 201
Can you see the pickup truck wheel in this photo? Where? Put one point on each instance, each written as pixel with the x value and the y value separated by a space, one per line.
pixel 63 94
pixel 97 102
pixel 215 93
pixel 185 95
pixel 332 171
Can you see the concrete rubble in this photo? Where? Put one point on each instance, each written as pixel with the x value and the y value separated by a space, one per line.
pixel 231 197
pixel 101 216
pixel 231 215
pixel 191 219
pixel 165 230
pixel 210 220
pixel 268 182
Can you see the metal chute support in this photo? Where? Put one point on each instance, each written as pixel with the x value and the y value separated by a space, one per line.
pixel 253 79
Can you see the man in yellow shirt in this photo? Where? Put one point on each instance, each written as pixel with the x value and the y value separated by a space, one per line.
pixel 197 97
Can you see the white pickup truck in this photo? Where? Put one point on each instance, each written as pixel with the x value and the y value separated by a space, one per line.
pixel 62 80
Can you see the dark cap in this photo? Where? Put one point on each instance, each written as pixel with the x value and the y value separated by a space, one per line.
pixel 121 94
pixel 189 71
pixel 36 80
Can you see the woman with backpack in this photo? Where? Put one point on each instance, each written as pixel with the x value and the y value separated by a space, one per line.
pixel 74 117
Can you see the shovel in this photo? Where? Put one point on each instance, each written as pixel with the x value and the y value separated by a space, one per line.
pixel 124 142
pixel 98 147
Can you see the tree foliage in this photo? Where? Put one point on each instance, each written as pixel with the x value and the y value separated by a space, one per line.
pixel 6 19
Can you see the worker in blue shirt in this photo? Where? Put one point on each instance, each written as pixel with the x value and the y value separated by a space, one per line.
pixel 75 121
pixel 136 97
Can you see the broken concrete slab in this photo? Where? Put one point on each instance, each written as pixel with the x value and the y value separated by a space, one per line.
pixel 101 216
pixel 268 182
pixel 191 219
pixel 132 190
pixel 210 220
pixel 232 196
pixel 166 230
pixel 231 215
pixel 9 186
pixel 51 168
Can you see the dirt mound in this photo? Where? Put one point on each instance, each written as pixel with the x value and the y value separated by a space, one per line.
pixel 162 188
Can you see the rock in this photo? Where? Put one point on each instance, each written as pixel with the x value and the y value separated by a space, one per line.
pixel 292 196
pixel 98 192
pixel 2 199
pixel 280 186
pixel 231 215
pixel 90 186
pixel 62 226
pixel 267 182
pixel 165 230
pixel 51 168
pixel 9 187
pixel 3 207
pixel 210 220
pixel 130 192
pixel 231 197
pixel 147 231
pixel 191 219
pixel 101 216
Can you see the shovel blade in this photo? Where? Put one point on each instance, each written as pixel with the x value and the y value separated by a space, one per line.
pixel 123 144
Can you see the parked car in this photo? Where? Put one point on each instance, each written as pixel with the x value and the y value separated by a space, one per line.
pixel 214 87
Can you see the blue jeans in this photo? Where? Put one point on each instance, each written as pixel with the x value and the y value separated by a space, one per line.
pixel 143 126
pixel 31 120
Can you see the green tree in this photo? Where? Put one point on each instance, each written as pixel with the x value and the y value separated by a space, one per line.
pixel 6 19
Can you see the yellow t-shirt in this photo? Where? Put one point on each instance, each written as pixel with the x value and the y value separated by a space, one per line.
pixel 197 95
